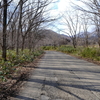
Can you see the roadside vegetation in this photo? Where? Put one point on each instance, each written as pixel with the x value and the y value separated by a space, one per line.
pixel 15 62
pixel 84 52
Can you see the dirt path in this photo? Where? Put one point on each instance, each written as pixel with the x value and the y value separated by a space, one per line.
pixel 62 77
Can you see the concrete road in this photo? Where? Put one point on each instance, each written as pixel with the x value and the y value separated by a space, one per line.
pixel 62 77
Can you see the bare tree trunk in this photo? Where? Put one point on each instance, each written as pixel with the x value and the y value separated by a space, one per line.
pixel 23 43
pixel 12 39
pixel 99 42
pixel 19 27
pixel 4 30
pixel 87 41
pixel 30 41
pixel 74 43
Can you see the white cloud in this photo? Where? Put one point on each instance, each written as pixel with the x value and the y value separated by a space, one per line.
pixel 63 5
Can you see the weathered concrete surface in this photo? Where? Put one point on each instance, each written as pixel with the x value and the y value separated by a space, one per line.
pixel 62 77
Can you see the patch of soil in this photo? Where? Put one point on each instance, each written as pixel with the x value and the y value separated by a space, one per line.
pixel 12 86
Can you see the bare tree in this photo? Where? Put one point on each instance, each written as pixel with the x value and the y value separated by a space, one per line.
pixel 35 17
pixel 85 24
pixel 97 24
pixel 25 19
pixel 73 27
pixel 4 44
pixel 19 25
pixel 4 29
pixel 92 7
pixel 12 32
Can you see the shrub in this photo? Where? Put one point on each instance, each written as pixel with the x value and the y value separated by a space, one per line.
pixel 5 69
pixel 13 60
pixel 67 49
pixel 49 48
pixel 92 53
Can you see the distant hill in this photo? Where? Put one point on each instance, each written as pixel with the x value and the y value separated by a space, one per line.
pixel 90 34
pixel 52 38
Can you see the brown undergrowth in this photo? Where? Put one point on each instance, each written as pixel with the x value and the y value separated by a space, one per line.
pixel 12 86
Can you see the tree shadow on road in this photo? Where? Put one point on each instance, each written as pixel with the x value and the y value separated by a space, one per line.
pixel 23 97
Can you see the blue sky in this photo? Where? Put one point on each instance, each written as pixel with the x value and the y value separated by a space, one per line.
pixel 55 6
